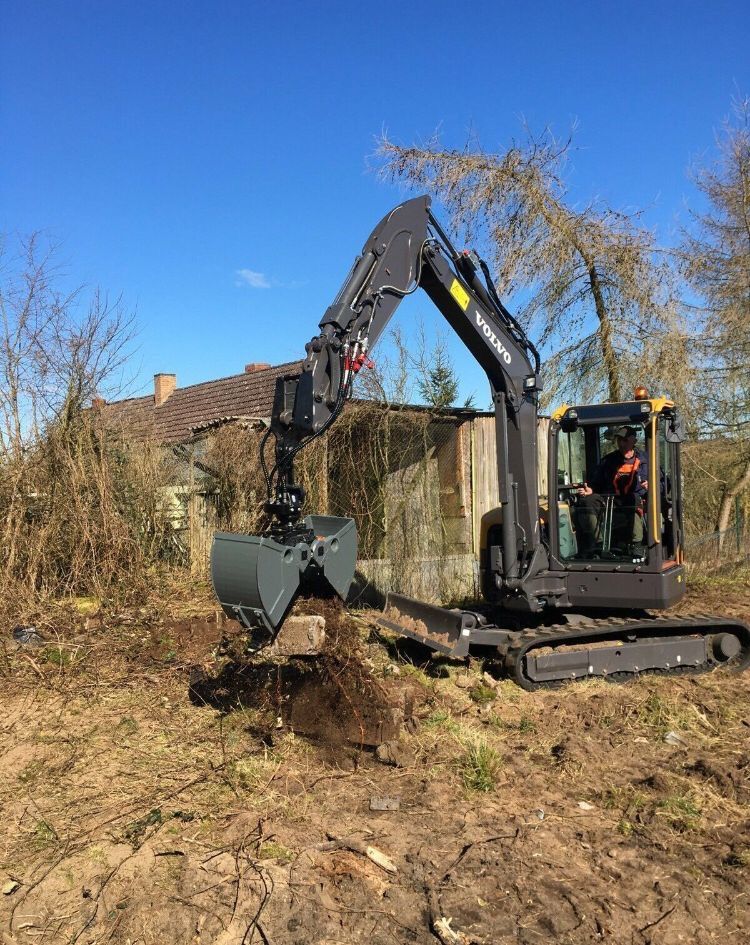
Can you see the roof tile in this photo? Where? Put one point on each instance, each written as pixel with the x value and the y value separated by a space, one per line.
pixel 247 395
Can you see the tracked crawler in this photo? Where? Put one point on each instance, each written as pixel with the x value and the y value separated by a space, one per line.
pixel 568 578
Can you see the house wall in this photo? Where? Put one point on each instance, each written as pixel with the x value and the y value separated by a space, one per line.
pixel 433 507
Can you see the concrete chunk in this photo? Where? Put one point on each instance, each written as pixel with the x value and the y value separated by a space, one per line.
pixel 300 636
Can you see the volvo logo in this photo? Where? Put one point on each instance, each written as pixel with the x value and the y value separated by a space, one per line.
pixel 493 339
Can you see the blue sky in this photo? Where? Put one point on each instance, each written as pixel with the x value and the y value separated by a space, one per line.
pixel 171 146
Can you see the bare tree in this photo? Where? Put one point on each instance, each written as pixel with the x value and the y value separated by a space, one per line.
pixel 76 504
pixel 415 370
pixel 594 286
pixel 58 350
pixel 717 263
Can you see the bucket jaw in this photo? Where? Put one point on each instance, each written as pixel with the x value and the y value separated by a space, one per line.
pixel 257 577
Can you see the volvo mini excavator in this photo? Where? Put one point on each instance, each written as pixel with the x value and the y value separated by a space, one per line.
pixel 556 607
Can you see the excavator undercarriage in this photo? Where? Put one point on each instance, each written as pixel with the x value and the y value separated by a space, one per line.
pixel 584 647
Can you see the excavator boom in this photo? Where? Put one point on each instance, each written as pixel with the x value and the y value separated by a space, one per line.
pixel 257 577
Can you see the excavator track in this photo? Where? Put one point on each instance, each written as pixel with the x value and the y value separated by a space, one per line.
pixel 617 649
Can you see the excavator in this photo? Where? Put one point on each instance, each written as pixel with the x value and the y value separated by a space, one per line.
pixel 568 593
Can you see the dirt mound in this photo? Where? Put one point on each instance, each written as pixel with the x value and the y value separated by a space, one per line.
pixel 335 698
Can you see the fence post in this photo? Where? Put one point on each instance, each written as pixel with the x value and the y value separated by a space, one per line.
pixel 738 524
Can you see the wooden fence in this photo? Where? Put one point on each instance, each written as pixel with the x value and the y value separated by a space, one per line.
pixel 433 504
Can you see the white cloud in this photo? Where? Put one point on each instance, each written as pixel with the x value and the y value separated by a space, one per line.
pixel 256 280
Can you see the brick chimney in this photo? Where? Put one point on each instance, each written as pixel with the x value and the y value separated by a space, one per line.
pixel 256 366
pixel 164 385
pixel 98 403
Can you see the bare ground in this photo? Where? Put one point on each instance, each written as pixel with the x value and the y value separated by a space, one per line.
pixel 139 809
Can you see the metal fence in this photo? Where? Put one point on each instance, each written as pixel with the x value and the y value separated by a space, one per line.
pixel 719 550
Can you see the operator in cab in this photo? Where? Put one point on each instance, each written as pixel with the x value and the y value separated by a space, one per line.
pixel 623 474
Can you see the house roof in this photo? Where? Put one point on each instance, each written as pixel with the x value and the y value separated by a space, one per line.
pixel 190 411
pixel 246 396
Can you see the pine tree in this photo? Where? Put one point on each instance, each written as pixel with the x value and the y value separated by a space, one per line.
pixel 438 384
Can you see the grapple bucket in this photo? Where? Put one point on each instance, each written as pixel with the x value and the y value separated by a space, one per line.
pixel 256 578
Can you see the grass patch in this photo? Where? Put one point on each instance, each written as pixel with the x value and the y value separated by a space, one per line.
pixel 482 694
pixel 417 674
pixel 127 726
pixel 730 577
pixel 681 810
pixel 442 719
pixel 58 656
pixel 45 835
pixel 248 773
pixel 480 767
pixel 627 800
pixel 170 648
pixel 510 691
pixel 275 851
pixel 31 772
pixel 524 726
pixel 662 715
pixel 135 832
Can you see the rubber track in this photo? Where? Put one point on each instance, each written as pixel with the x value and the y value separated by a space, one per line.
pixel 615 628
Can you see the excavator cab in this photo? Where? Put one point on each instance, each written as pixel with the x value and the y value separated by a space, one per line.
pixel 631 520
pixel 613 525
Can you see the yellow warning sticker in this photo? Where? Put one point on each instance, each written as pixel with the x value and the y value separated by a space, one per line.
pixel 460 294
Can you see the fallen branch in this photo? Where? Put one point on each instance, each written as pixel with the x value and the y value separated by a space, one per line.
pixel 358 846
pixel 440 925
pixel 661 918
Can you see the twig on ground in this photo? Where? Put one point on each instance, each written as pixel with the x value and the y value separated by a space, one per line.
pixel 475 843
pixel 439 925
pixel 357 846
pixel 661 918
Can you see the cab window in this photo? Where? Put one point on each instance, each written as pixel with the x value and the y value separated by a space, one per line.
pixel 595 523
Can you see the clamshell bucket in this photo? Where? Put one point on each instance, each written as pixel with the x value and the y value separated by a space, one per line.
pixel 256 578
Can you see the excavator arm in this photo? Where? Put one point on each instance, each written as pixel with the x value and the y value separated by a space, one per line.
pixel 407 250
pixel 257 577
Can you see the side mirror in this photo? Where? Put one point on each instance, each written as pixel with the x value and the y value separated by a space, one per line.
pixel 675 431
pixel 569 424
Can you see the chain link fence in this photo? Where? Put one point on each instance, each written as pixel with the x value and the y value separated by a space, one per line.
pixel 719 550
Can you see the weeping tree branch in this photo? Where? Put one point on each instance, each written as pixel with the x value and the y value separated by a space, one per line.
pixel 715 256
pixel 584 272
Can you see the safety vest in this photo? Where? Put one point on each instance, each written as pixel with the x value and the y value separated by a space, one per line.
pixel 625 475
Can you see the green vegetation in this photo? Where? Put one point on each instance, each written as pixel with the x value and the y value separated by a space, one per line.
pixel 482 694
pixel 442 718
pixel 275 851
pixel 127 726
pixel 58 656
pixel 681 810
pixel 480 767
pixel 45 835
pixel 135 832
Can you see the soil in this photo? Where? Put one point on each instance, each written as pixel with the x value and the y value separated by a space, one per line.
pixel 154 790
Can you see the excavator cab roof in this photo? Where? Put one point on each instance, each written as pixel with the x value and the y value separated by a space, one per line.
pixel 624 413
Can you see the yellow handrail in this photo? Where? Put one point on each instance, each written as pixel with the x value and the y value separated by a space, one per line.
pixel 653 492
